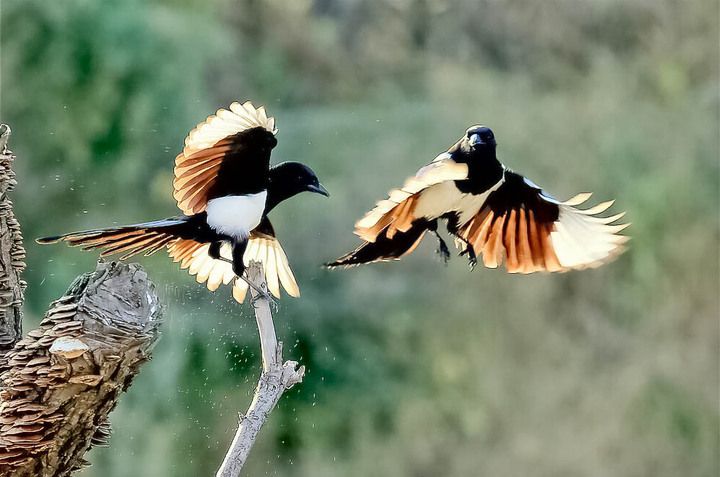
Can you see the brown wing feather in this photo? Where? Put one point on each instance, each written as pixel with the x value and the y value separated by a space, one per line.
pixel 182 250
pixel 197 186
pixel 403 217
pixel 538 255
pixel 396 213
pixel 528 230
pixel 490 249
pixel 205 147
pixel 522 245
pixel 509 241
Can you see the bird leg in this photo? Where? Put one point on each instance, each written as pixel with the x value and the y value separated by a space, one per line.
pixel 244 278
pixel 261 293
pixel 214 252
pixel 442 249
pixel 470 252
pixel 238 253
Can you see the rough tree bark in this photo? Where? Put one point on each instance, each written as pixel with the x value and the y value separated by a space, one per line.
pixel 60 382
pixel 12 255
pixel 275 379
pixel 65 377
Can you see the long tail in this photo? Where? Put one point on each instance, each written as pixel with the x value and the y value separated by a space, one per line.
pixel 384 248
pixel 148 237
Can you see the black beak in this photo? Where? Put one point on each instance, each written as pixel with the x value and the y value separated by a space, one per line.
pixel 475 141
pixel 318 189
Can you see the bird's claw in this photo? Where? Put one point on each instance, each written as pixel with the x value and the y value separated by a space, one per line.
pixel 260 293
pixel 472 258
pixel 265 296
pixel 472 263
pixel 444 252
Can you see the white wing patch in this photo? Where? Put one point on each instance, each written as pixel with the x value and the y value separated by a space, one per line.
pixel 224 123
pixel 583 240
pixel 276 267
pixel 214 273
pixel 207 269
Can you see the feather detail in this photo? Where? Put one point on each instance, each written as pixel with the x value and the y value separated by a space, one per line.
pixel 396 212
pixel 263 248
pixel 531 231
pixel 206 146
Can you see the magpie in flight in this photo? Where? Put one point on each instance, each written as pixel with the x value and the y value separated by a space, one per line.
pixel 490 211
pixel 225 188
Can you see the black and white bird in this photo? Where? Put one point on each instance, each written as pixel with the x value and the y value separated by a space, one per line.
pixel 490 211
pixel 225 187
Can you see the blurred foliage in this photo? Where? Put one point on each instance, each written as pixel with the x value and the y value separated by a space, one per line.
pixel 413 368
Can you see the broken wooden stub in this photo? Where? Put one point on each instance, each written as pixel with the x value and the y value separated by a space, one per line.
pixel 12 255
pixel 62 380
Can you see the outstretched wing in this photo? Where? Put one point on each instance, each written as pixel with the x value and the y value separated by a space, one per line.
pixel 263 247
pixel 217 139
pixel 531 231
pixel 400 209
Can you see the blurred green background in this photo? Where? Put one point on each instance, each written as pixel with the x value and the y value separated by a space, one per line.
pixel 414 369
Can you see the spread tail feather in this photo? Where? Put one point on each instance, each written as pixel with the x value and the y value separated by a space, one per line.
pixel 148 237
pixel 383 248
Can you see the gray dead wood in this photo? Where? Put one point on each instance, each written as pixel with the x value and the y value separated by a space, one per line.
pixel 276 377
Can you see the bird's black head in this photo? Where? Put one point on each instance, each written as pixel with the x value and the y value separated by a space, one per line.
pixel 291 178
pixel 479 138
pixel 296 177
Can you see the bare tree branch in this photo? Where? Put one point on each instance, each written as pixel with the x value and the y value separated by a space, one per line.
pixel 275 379
pixel 64 378
pixel 12 255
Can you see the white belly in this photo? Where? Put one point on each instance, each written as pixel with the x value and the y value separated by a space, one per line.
pixel 236 215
